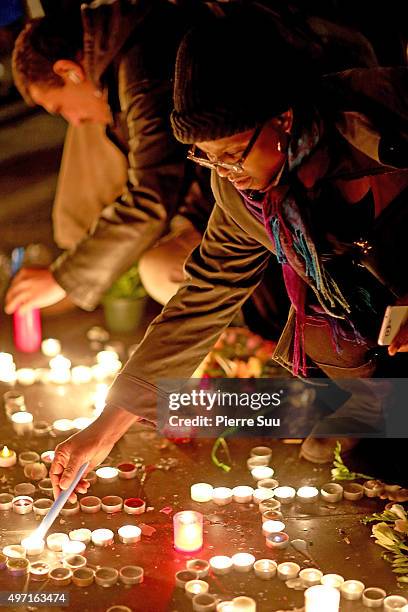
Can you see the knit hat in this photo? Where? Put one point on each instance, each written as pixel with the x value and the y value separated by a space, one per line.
pixel 233 73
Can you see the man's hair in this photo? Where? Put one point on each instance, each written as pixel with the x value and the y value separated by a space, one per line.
pixel 39 45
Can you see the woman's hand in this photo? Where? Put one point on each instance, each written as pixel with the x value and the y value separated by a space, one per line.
pixel 33 288
pixel 92 444
pixel 400 342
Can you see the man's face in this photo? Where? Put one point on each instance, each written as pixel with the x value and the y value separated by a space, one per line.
pixel 263 162
pixel 76 102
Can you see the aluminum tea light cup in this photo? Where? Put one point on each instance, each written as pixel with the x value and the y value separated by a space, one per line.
pixel 394 602
pixel 333 580
pixel 107 474
pixel 55 541
pixel 222 496
pixel 373 597
pixel 272 515
pixel 41 428
pixel 134 505
pixel 127 471
pixel 18 567
pixel 221 564
pixel 204 602
pixel 81 535
pixel 285 495
pixel 184 576
pixel 242 494
pixel 106 576
pixel 261 451
pixel 39 570
pixel 288 570
pixel 112 504
pixel 277 541
pixel 131 574
pixel 261 495
pixel 129 534
pixel 23 504
pixel 90 504
pixel 373 488
pixel 14 551
pixel 45 486
pixel 261 472
pixel 253 462
pixel 74 561
pixel 73 547
pixel 352 589
pixel 102 537
pixel 310 576
pixel 331 492
pixel 70 508
pixel 272 526
pixel 307 495
pixel 42 506
pixel 268 483
pixel 6 501
pixel 196 587
pixel 3 561
pixel 243 562
pixel 34 545
pixel 244 604
pixel 201 492
pixel 24 488
pixel 83 576
pixel 60 576
pixel 200 566
pixel 265 569
pixel 353 491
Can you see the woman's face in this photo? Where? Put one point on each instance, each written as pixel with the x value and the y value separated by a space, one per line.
pixel 264 160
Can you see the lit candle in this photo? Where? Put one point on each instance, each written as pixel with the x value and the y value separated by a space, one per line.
pixel 320 597
pixel 111 504
pixel 333 580
pixel 55 541
pixel 243 562
pixel 277 541
pixel 265 568
pixel 244 604
pixel 102 537
pixel 26 376
pixel 14 551
pixel 373 597
pixel 394 602
pixel 285 495
pixel 50 347
pixel 188 531
pixel 288 570
pixel 222 496
pixel 109 362
pixel 307 495
pixel 269 527
pixel 90 504
pixel 59 362
pixel 81 535
pixel 242 494
pixel 131 574
pixel 353 491
pixel 6 501
pixel 7 368
pixel 261 495
pixel 311 576
pixel 200 566
pixel 129 534
pixel 332 492
pixel 28 457
pixel 22 422
pixel 39 570
pixel 107 474
pixel 106 576
pixel 196 587
pixel 23 504
pixel 352 589
pixel 373 488
pixel 81 375
pixel 225 606
pixel 34 545
pixel 134 505
pixel 221 564
pixel 261 472
pixel 201 492
pixel 127 471
pixel 62 426
pixel 60 372
pixel 8 457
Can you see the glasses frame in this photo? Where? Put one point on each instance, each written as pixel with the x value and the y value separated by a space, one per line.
pixel 237 168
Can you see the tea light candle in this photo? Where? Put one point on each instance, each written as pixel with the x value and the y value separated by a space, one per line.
pixel 131 574
pixel 62 426
pixel 221 564
pixel 106 576
pixel 81 375
pixel 112 503
pixel 272 515
pixel 268 483
pixel 285 495
pixel 80 535
pixel 269 527
pixel 107 474
pixel 41 428
pixel 14 551
pixel 200 566
pixel 222 496
pixel 42 506
pixel 28 457
pixel 353 491
pixel 50 347
pixel 24 488
pixel 59 362
pixel 82 422
pixel 261 472
pixel 74 561
pixel 55 541
pixel 188 531
pixel 288 570
pixel 127 471
pixel 225 606
pixel 73 547
pixel 26 376
pixel 83 576
pixel 196 587
pixel 333 580
pixel 39 570
pixel 310 576
pixel 307 495
pixel 6 501
pixel 8 457
pixel 13 399
pixel 102 537
pixel 320 597
pixel 70 508
pixel 204 602
pixel 23 504
pixel 352 589
pixel 373 488
pixel 22 422
pixel 35 471
pixel 261 451
pixel 265 568
pixel 33 545
pixel 47 457
pixel 373 597
pixel 134 505
pixel 60 576
pixel 244 604
pixel 253 462
pixel 260 495
pixel 269 504
pixel 243 562
pixel 45 486
pixel 242 494
pixel 332 492
pixel 394 602
pixel 201 492
pixel 184 576
pixel 129 534
pixel 90 504
pixel 18 567
pixel 277 541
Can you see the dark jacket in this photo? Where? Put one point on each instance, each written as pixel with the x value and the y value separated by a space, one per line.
pixel 130 48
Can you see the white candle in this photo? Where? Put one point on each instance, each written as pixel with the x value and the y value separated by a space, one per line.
pixel 285 495
pixel 332 492
pixel 394 602
pixel 7 368
pixel 222 496
pixel 102 537
pixel 269 527
pixel 352 589
pixel 73 547
pixel 61 426
pixel 107 474
pixel 81 535
pixel 320 597
pixel 26 376
pixel 81 375
pixel 196 587
pixel 50 347
pixel 373 597
pixel 265 568
pixel 307 495
pixel 244 604
pixel 82 422
pixel 8 457
pixel 242 494
pixel 201 492
pixel 311 576
pixel 277 541
pixel 59 362
pixel 221 564
pixel 333 580
pixel 188 531
pixel 243 562
pixel 129 534
pixel 22 422
pixel 261 472
pixel 33 544
pixel 14 551
pixel 288 570
pixel 225 606
pixel 261 495
pixel 55 541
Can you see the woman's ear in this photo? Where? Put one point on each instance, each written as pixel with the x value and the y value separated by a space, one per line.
pixel 69 71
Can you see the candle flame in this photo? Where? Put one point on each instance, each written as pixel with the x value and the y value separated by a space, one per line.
pixel 6 452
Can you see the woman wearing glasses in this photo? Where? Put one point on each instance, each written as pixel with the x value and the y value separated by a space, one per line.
pixel 300 173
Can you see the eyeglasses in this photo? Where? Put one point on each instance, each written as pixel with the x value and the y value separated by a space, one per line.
pixel 237 168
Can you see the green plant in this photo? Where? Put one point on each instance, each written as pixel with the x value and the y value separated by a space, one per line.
pixel 341 472
pixel 128 285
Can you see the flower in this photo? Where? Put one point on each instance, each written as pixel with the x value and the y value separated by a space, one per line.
pixel 399 511
pixel 385 536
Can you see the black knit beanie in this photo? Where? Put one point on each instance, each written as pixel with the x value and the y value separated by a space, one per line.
pixel 233 73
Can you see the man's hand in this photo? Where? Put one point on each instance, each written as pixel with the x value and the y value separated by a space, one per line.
pixel 92 444
pixel 33 288
pixel 400 342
